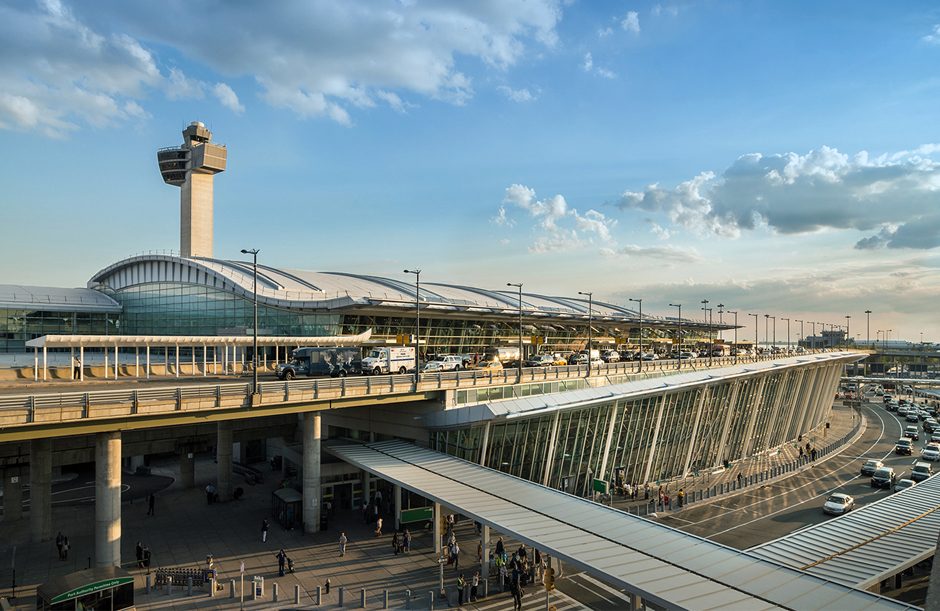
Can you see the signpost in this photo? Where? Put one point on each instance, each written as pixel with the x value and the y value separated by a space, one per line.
pixel 241 586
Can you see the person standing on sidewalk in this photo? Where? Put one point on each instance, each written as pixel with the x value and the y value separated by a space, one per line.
pixel 264 530
pixel 342 544
pixel 680 497
pixel 58 543
pixel 474 586
pixel 407 541
pixel 140 555
pixel 210 492
pixel 281 559
pixel 460 585
pixel 150 503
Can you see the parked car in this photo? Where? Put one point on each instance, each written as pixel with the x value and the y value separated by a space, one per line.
pixel 597 361
pixel 921 471
pixel 904 484
pixel 610 356
pixel 650 356
pixel 884 477
pixel 838 504
pixel 578 359
pixel 559 361
pixel 540 360
pixel 484 366
pixel 432 367
pixel 904 446
pixel 686 356
pixel 871 466
pixel 912 433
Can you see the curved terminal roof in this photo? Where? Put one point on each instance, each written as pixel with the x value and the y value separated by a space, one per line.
pixel 20 297
pixel 298 289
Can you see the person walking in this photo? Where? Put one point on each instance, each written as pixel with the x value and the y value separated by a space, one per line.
pixel 281 559
pixel 77 368
pixel 740 477
pixel 455 554
pixel 407 541
pixel 499 547
pixel 65 548
pixel 516 596
pixel 210 492
pixel 59 541
pixel 460 585
pixel 264 530
pixel 378 527
pixel 140 555
pixel 342 544
pixel 646 491
pixel 150 502
pixel 473 587
pixel 395 543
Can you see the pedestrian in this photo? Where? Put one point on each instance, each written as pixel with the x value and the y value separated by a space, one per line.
pixel 150 502
pixel 59 541
pixel 395 543
pixel 460 584
pixel 480 551
pixel 740 477
pixel 77 368
pixel 65 548
pixel 281 559
pixel 499 547
pixel 210 492
pixel 378 527
pixel 264 530
pixel 140 555
pixel 406 540
pixel 522 552
pixel 473 587
pixel 680 497
pixel 646 491
pixel 516 596
pixel 342 544
pixel 455 553
pixel 378 499
pixel 801 452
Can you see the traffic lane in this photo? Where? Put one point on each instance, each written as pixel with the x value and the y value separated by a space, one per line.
pixel 767 512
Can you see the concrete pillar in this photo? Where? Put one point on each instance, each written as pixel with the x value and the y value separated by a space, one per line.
pixel 311 459
pixel 108 498
pixel 366 497
pixel 224 460
pixel 187 467
pixel 485 561
pixel 436 529
pixel 12 495
pixel 40 490
pixel 397 500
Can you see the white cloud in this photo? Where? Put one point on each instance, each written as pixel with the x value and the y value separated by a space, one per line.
pixel 631 23
pixel 553 217
pixel 605 32
pixel 227 97
pixel 178 86
pixel 521 95
pixel 671 254
pixel 660 9
pixel 588 62
pixel 824 189
pixel 934 37
pixel 501 219
pixel 606 73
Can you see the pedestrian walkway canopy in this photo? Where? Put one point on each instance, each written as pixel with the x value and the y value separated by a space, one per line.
pixel 668 567
pixel 868 545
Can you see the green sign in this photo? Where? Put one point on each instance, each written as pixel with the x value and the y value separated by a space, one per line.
pixel 93 587
pixel 416 515
pixel 599 485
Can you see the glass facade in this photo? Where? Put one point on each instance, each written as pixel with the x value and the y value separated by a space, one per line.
pixel 18 326
pixel 653 436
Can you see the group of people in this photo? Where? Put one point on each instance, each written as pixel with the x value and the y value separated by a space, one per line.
pixel 62 544
pixel 401 544
pixel 514 570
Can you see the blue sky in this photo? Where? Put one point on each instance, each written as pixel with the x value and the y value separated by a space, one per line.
pixel 781 158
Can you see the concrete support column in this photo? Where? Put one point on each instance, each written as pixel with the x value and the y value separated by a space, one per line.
pixel 485 561
pixel 187 467
pixel 40 490
pixel 366 496
pixel 436 529
pixel 312 494
pixel 224 460
pixel 12 495
pixel 397 500
pixel 108 498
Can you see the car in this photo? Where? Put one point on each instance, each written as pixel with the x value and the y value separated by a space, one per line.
pixel 912 416
pixel 838 504
pixel 650 356
pixel 888 398
pixel 559 361
pixel 883 477
pixel 626 355
pixel 911 432
pixel 879 392
pixel 902 411
pixel 686 356
pixel 904 484
pixel 540 360
pixel 578 359
pixel 921 471
pixel 935 438
pixel 432 367
pixel 610 356
pixel 484 366
pixel 597 361
pixel 930 425
pixel 871 466
pixel 931 452
pixel 904 446
pixel 891 406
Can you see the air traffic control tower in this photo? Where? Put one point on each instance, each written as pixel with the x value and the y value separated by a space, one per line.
pixel 191 167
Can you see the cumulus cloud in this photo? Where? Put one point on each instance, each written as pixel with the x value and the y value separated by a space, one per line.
pixel 605 32
pixel 501 219
pixel 671 254
pixel 933 37
pixel 824 189
pixel 659 9
pixel 557 220
pixel 588 62
pixel 631 23
pixel 521 95
pixel 606 73
pixel 227 97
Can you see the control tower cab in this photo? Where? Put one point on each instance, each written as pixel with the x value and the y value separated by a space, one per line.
pixel 191 167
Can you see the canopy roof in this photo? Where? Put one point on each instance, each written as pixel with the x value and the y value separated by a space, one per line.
pixel 20 297
pixel 131 341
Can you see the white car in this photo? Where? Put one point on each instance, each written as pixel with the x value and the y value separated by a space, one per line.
pixel 931 452
pixel 838 503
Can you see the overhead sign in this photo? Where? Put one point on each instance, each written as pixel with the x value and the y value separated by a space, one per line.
pixel 416 515
pixel 599 485
pixel 92 588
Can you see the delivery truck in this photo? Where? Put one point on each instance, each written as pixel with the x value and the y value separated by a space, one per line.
pixel 334 362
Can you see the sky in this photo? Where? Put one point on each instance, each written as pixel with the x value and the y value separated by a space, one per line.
pixel 778 158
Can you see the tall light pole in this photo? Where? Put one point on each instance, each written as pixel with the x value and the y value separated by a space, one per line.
pixel 735 349
pixel 766 328
pixel 710 348
pixel 802 337
pixel 254 289
pixel 877 333
pixel 788 333
pixel 590 325
pixel 640 301
pixel 678 305
pixel 519 286
pixel 868 328
pixel 417 273
pixel 848 330
pixel 886 338
pixel 756 318
pixel 721 320
pixel 814 333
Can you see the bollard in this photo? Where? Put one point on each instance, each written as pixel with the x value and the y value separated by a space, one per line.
pixel 296 595
pixel 431 599
pixel 385 599
pixel 231 591
pixel 169 585
pixel 148 584
pixel 362 598
pixel 190 586
pixel 211 587
pixel 340 595
pixel 254 591
pixel 486 585
pixel 318 596
pixel 275 591
pixel 408 600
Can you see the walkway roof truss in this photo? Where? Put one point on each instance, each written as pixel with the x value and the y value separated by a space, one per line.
pixel 135 341
pixel 668 567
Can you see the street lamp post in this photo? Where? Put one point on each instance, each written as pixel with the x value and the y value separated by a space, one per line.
pixel 756 318
pixel 721 319
pixel 814 333
pixel 735 349
pixel 678 305
pixel 885 338
pixel 590 325
pixel 848 330
pixel 417 273
pixel 766 328
pixel 788 333
pixel 254 289
pixel 519 286
pixel 640 301
pixel 802 337
pixel 710 348
pixel 868 328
